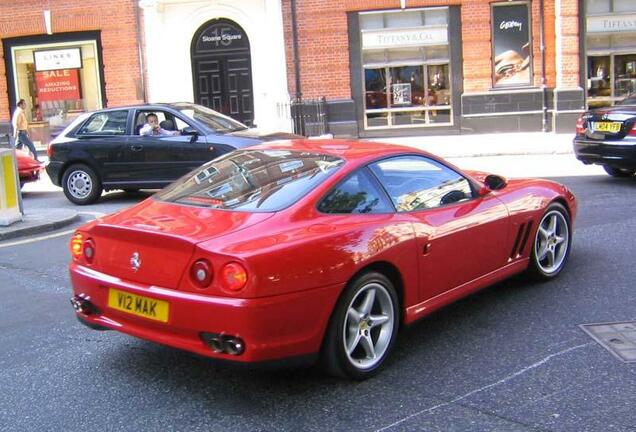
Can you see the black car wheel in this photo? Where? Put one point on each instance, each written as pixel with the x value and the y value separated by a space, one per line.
pixel 618 172
pixel 362 328
pixel 551 247
pixel 81 185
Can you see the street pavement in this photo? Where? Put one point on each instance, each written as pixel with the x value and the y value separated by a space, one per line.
pixel 510 358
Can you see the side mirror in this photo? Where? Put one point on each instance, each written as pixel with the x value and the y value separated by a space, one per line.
pixel 495 182
pixel 191 132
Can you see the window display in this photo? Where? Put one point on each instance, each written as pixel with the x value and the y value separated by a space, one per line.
pixel 407 83
pixel 58 81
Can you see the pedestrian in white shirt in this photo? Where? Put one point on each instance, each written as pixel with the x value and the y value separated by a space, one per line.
pixel 20 129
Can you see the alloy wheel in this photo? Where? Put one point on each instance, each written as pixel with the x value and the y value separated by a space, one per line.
pixel 368 326
pixel 552 242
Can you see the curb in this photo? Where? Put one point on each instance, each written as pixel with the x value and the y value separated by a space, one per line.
pixel 52 223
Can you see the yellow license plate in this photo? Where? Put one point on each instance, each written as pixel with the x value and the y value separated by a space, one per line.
pixel 138 305
pixel 613 127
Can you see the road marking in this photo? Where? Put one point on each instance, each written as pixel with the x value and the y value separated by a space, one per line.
pixel 35 239
pixel 50 236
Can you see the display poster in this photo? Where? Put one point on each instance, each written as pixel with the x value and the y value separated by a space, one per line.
pixel 512 57
pixel 58 85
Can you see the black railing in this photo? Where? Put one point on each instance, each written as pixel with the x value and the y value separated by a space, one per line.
pixel 309 116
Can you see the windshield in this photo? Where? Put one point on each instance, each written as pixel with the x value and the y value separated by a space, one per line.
pixel 252 180
pixel 210 118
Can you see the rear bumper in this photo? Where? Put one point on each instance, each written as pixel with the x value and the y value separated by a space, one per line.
pixel 609 153
pixel 273 328
pixel 53 169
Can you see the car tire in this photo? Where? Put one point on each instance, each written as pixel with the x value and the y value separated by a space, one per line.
pixel 618 172
pixel 81 185
pixel 552 243
pixel 362 328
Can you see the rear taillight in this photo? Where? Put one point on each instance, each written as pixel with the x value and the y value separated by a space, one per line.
pixel 580 126
pixel 77 241
pixel 233 276
pixel 89 250
pixel 49 151
pixel 201 273
pixel 632 131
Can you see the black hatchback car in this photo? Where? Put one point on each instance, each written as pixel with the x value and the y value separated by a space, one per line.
pixel 607 136
pixel 103 150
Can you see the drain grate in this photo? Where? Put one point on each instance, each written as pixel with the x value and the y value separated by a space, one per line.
pixel 618 338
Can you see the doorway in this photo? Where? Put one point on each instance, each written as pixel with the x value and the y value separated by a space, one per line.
pixel 222 69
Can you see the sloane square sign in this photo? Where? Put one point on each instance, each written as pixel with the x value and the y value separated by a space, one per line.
pixel 380 39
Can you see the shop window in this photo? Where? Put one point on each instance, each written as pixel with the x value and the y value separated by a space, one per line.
pixel 56 95
pixel 409 55
pixel 404 85
pixel 599 42
pixel 405 19
pixel 436 16
pixel 374 57
pixel 598 6
pixel 624 6
pixel 624 75
pixel 371 21
pixel 375 88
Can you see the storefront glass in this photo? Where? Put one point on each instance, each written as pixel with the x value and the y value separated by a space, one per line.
pixel 406 68
pixel 58 81
pixel 610 51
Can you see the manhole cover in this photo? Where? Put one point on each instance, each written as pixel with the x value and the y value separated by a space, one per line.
pixel 618 338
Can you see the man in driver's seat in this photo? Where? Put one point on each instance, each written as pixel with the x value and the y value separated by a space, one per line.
pixel 152 127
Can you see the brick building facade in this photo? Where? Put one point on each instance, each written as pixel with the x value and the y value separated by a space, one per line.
pixel 100 65
pixel 360 54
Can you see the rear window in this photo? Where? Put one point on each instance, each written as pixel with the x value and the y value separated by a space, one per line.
pixel 252 180
pixel 105 123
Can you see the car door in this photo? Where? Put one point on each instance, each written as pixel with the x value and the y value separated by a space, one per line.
pixel 160 159
pixel 102 141
pixel 460 235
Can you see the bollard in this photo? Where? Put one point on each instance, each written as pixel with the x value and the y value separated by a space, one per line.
pixel 10 198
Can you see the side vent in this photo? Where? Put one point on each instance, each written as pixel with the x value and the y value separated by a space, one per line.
pixel 521 240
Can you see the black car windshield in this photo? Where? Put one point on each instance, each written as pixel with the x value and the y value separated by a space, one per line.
pixel 252 180
pixel 210 118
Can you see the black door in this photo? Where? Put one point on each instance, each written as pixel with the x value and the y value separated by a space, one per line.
pixel 222 70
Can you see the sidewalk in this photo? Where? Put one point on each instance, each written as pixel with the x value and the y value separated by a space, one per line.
pixel 35 223
pixel 482 145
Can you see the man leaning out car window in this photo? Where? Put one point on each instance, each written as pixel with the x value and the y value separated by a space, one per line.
pixel 152 127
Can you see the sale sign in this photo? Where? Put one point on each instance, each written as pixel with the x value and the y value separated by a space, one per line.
pixel 62 84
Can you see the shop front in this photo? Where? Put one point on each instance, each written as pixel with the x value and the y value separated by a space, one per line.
pixel 610 51
pixel 59 77
pixel 403 73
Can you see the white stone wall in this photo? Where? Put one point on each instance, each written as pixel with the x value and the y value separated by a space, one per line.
pixel 170 25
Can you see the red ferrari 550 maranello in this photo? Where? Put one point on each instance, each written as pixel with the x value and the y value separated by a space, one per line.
pixel 311 250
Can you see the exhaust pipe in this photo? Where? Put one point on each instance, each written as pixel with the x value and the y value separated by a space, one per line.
pixel 224 344
pixel 82 304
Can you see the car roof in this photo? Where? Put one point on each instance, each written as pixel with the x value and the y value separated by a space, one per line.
pixel 349 149
pixel 149 106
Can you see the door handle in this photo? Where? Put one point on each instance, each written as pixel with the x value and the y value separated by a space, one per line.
pixel 136 147
pixel 426 249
